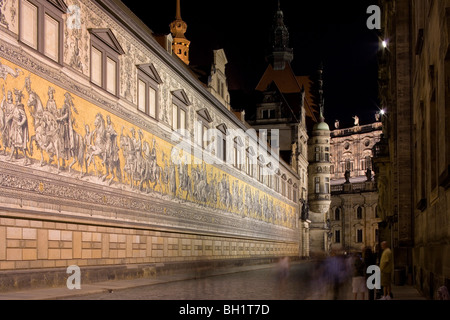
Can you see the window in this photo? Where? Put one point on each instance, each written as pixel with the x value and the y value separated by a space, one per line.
pixel 327 185
pixel 222 142
pixel 180 103
pixel 359 213
pixel 337 236
pixel 178 119
pixel 359 235
pixel 237 147
pixel 51 30
pixel 317 184
pixel 41 26
pixel 269 180
pixel 283 188
pixel 337 214
pixel 260 169
pixel 317 154
pixel 29 24
pixel 96 66
pixel 277 184
pixel 268 114
pixel 289 192
pixel 248 165
pixel 237 156
pixel 105 51
pixel 111 75
pixel 202 126
pixel 201 134
pixel 294 195
pixel 148 85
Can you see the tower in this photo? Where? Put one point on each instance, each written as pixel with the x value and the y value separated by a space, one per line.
pixel 279 52
pixel 319 197
pixel 180 45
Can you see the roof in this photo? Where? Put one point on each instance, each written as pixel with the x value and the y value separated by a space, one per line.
pixel 290 86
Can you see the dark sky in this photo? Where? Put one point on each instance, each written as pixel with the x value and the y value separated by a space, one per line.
pixel 334 32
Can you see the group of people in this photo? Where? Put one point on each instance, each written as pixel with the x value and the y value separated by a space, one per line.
pixel 339 270
pixel 360 275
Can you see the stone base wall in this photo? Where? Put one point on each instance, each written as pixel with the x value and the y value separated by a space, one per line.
pixel 36 245
pixel 30 244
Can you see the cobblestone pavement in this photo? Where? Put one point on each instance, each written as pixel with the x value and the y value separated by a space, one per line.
pixel 302 283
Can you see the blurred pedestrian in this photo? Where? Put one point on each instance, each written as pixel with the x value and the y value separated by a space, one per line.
pixel 443 293
pixel 369 260
pixel 358 278
pixel 386 266
pixel 337 272
pixel 283 267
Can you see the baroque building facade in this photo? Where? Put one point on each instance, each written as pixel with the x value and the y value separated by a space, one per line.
pixel 412 158
pixel 113 153
pixel 353 219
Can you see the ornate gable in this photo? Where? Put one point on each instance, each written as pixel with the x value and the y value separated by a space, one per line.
pixel 182 96
pixel 107 37
pixel 204 113
pixel 149 70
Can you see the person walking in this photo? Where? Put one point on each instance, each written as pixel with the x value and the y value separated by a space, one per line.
pixel 386 266
pixel 358 278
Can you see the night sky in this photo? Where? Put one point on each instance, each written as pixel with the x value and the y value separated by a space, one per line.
pixel 333 32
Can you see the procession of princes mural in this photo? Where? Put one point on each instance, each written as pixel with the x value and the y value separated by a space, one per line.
pixel 50 135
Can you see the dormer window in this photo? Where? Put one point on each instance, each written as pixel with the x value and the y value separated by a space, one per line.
pixel 202 126
pixel 148 90
pixel 41 26
pixel 180 104
pixel 105 51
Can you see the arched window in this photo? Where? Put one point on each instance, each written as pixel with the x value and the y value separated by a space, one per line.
pixel 337 214
pixel 359 213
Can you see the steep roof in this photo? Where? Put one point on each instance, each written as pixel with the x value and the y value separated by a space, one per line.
pixel 290 86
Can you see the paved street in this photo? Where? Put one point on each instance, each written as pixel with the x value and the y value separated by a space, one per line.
pixel 304 282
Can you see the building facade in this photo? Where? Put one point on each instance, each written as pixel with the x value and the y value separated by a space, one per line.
pixel 113 153
pixel 353 219
pixel 287 106
pixel 412 158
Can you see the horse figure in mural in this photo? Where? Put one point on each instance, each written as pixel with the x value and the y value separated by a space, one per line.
pixel 46 135
pixel 131 161
pixel 104 146
pixel 185 180
pixel 150 171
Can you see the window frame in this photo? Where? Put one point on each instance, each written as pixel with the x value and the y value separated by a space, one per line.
pixel 151 82
pixel 108 51
pixel 56 13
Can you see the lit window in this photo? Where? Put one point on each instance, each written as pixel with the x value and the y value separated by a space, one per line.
pixel 111 76
pixel 105 60
pixel 96 66
pixel 317 184
pixel 148 82
pixel 51 48
pixel 40 26
pixel 29 24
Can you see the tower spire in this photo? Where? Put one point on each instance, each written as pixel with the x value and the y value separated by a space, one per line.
pixel 180 45
pixel 320 92
pixel 178 11
pixel 279 52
